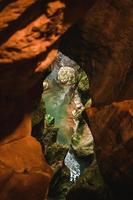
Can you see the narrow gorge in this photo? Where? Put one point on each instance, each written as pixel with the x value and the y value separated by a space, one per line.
pixel 66 99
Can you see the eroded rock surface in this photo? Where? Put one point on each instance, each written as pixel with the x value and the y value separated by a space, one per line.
pixel 102 43
pixel 109 33
pixel 24 172
pixel 112 128
pixel 30 31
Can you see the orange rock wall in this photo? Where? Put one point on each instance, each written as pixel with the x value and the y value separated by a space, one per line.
pixel 30 31
pixel 108 28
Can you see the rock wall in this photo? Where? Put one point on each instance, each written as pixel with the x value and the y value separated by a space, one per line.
pixel 30 31
pixel 102 44
pixel 108 31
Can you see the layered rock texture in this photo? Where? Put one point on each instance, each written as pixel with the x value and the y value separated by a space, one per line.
pixel 29 32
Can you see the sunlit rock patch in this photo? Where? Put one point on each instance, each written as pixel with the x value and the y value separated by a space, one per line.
pixel 66 75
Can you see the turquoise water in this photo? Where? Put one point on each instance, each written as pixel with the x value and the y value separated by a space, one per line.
pixel 57 99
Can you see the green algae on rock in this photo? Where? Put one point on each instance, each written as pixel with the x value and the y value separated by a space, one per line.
pixel 83 82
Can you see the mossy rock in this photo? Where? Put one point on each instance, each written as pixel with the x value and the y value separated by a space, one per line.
pixel 82 141
pixel 56 153
pixel 60 184
pixel 39 113
pixel 83 84
pixel 90 185
pixel 50 136
pixel 49 120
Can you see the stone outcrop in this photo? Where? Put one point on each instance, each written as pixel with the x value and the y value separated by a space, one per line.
pixel 102 44
pixel 108 32
pixel 23 170
pixel 30 31
pixel 112 128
